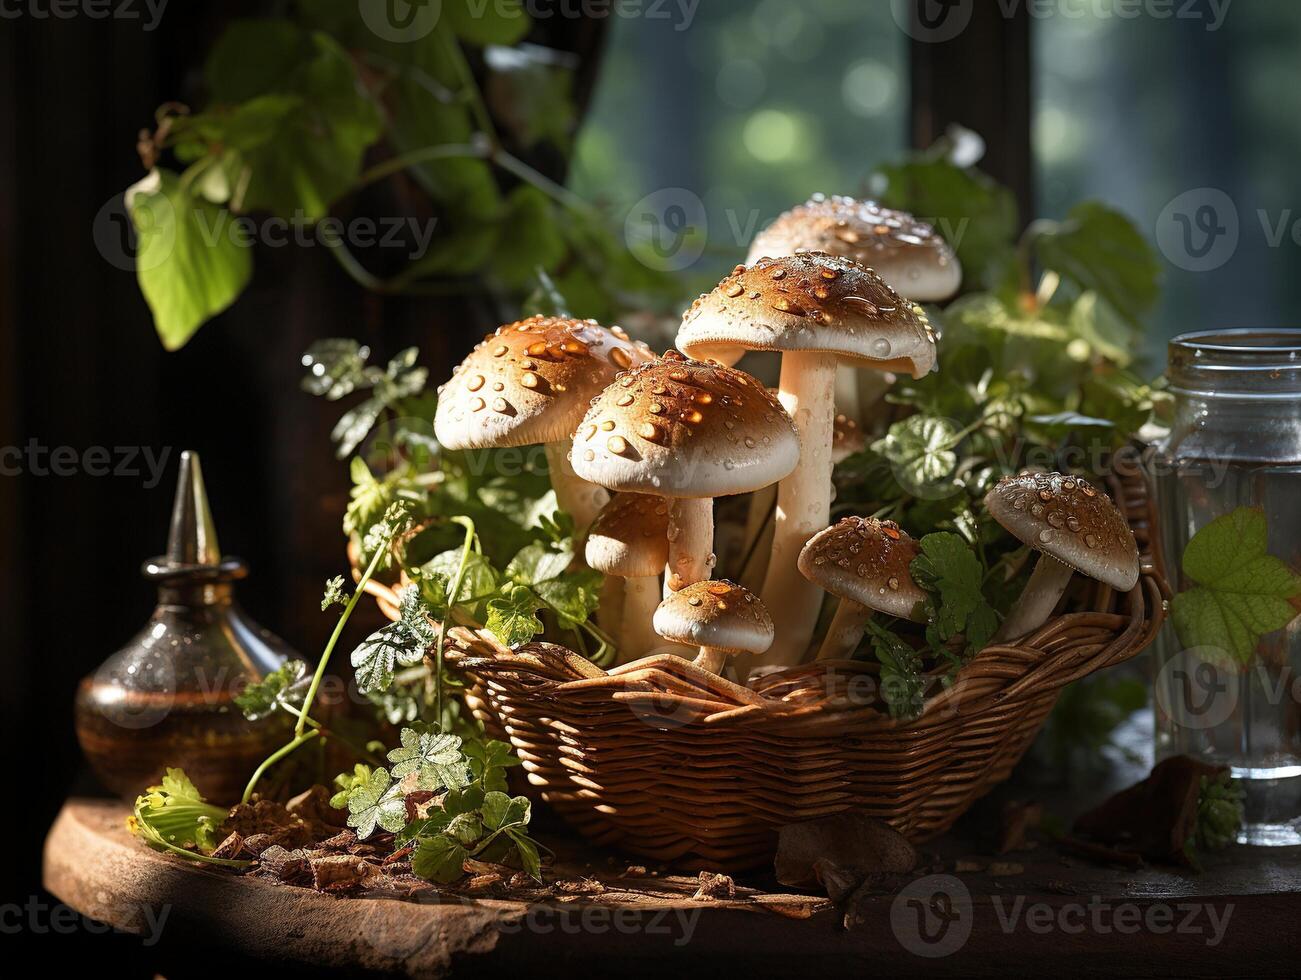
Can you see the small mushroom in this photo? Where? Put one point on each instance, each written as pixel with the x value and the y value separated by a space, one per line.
pixel 629 540
pixel 530 382
pixel 1074 527
pixel 865 563
pixel 721 618
pixel 689 431
pixel 907 253
pixel 818 310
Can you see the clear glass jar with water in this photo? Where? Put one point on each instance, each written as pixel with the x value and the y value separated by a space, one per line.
pixel 1235 441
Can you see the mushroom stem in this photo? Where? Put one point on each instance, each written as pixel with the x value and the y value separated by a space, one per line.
pixel 807 391
pixel 691 541
pixel 574 495
pixel 757 541
pixel 847 387
pixel 711 659
pixel 1047 583
pixel 845 631
pixel 641 595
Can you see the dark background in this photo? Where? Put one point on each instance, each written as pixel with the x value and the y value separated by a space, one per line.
pixel 80 366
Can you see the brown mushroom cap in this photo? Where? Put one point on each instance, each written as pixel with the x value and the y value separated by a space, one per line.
pixel 903 251
pixel 810 302
pixel 683 428
pixel 629 537
pixel 866 561
pixel 530 382
pixel 1063 516
pixel 718 614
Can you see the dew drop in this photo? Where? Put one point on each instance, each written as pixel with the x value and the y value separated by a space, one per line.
pixel 476 382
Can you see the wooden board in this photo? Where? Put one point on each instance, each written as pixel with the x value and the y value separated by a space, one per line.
pixel 1237 919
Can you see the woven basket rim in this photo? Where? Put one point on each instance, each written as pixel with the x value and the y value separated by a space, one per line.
pixel 813 697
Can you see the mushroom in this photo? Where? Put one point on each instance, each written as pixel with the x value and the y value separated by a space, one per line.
pixel 846 440
pixel 721 618
pixel 1074 527
pixel 530 382
pixel 629 539
pixel 865 563
pixel 817 310
pixel 690 431
pixel 907 253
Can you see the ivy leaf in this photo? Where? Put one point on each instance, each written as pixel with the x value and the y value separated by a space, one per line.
pixel 437 575
pixel 920 447
pixel 1101 250
pixel 376 802
pixel 1241 592
pixel 489 760
pixel 190 261
pixel 902 686
pixel 513 618
pixel 439 859
pixel 434 756
pixel 285 685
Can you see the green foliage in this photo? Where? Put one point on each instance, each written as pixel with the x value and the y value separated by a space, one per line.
pixel 949 569
pixel 296 105
pixel 400 643
pixel 174 817
pixel 902 685
pixel 1239 593
pixel 1220 813
pixel 435 758
pixel 376 802
pixel 284 685
pixel 191 262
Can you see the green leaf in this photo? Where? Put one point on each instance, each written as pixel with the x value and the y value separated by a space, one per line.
pixel 487 21
pixel 921 447
pixel 527 851
pixel 174 817
pixel 285 685
pixel 529 238
pixel 946 565
pixel 1101 250
pixel 437 575
pixel 1096 322
pixel 439 859
pixel 376 802
pixel 1241 591
pixel 971 211
pixel 192 261
pixel 512 618
pixel 489 760
pixel 1220 812
pixel 434 756
pixel 346 781
pixel 393 645
pixel 902 685
pixel 500 810
pixel 252 57
pixel 333 594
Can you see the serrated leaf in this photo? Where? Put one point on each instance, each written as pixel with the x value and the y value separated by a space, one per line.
pixel 1241 592
pixel 921 449
pixel 512 618
pixel 376 802
pixel 376 656
pixel 439 859
pixel 434 756
pixel 902 686
pixel 286 684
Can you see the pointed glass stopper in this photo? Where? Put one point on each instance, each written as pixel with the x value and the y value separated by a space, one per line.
pixel 192 539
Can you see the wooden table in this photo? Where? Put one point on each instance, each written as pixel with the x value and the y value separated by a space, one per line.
pixel 1039 912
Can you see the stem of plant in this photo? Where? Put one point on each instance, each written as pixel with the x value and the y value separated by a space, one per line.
pixel 329 733
pixel 275 757
pixel 453 596
pixel 334 638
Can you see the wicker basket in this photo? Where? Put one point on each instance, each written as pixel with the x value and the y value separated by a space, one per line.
pixel 666 762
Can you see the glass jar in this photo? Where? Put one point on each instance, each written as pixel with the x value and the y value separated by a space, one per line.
pixel 1235 441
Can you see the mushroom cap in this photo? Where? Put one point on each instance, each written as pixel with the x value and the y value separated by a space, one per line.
pixel 866 561
pixel 683 428
pixel 629 537
pixel 530 382
pixel 903 251
pixel 718 614
pixel 810 302
pixel 1063 516
pixel 847 438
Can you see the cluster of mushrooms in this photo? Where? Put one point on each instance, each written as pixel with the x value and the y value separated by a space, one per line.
pixel 666 435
